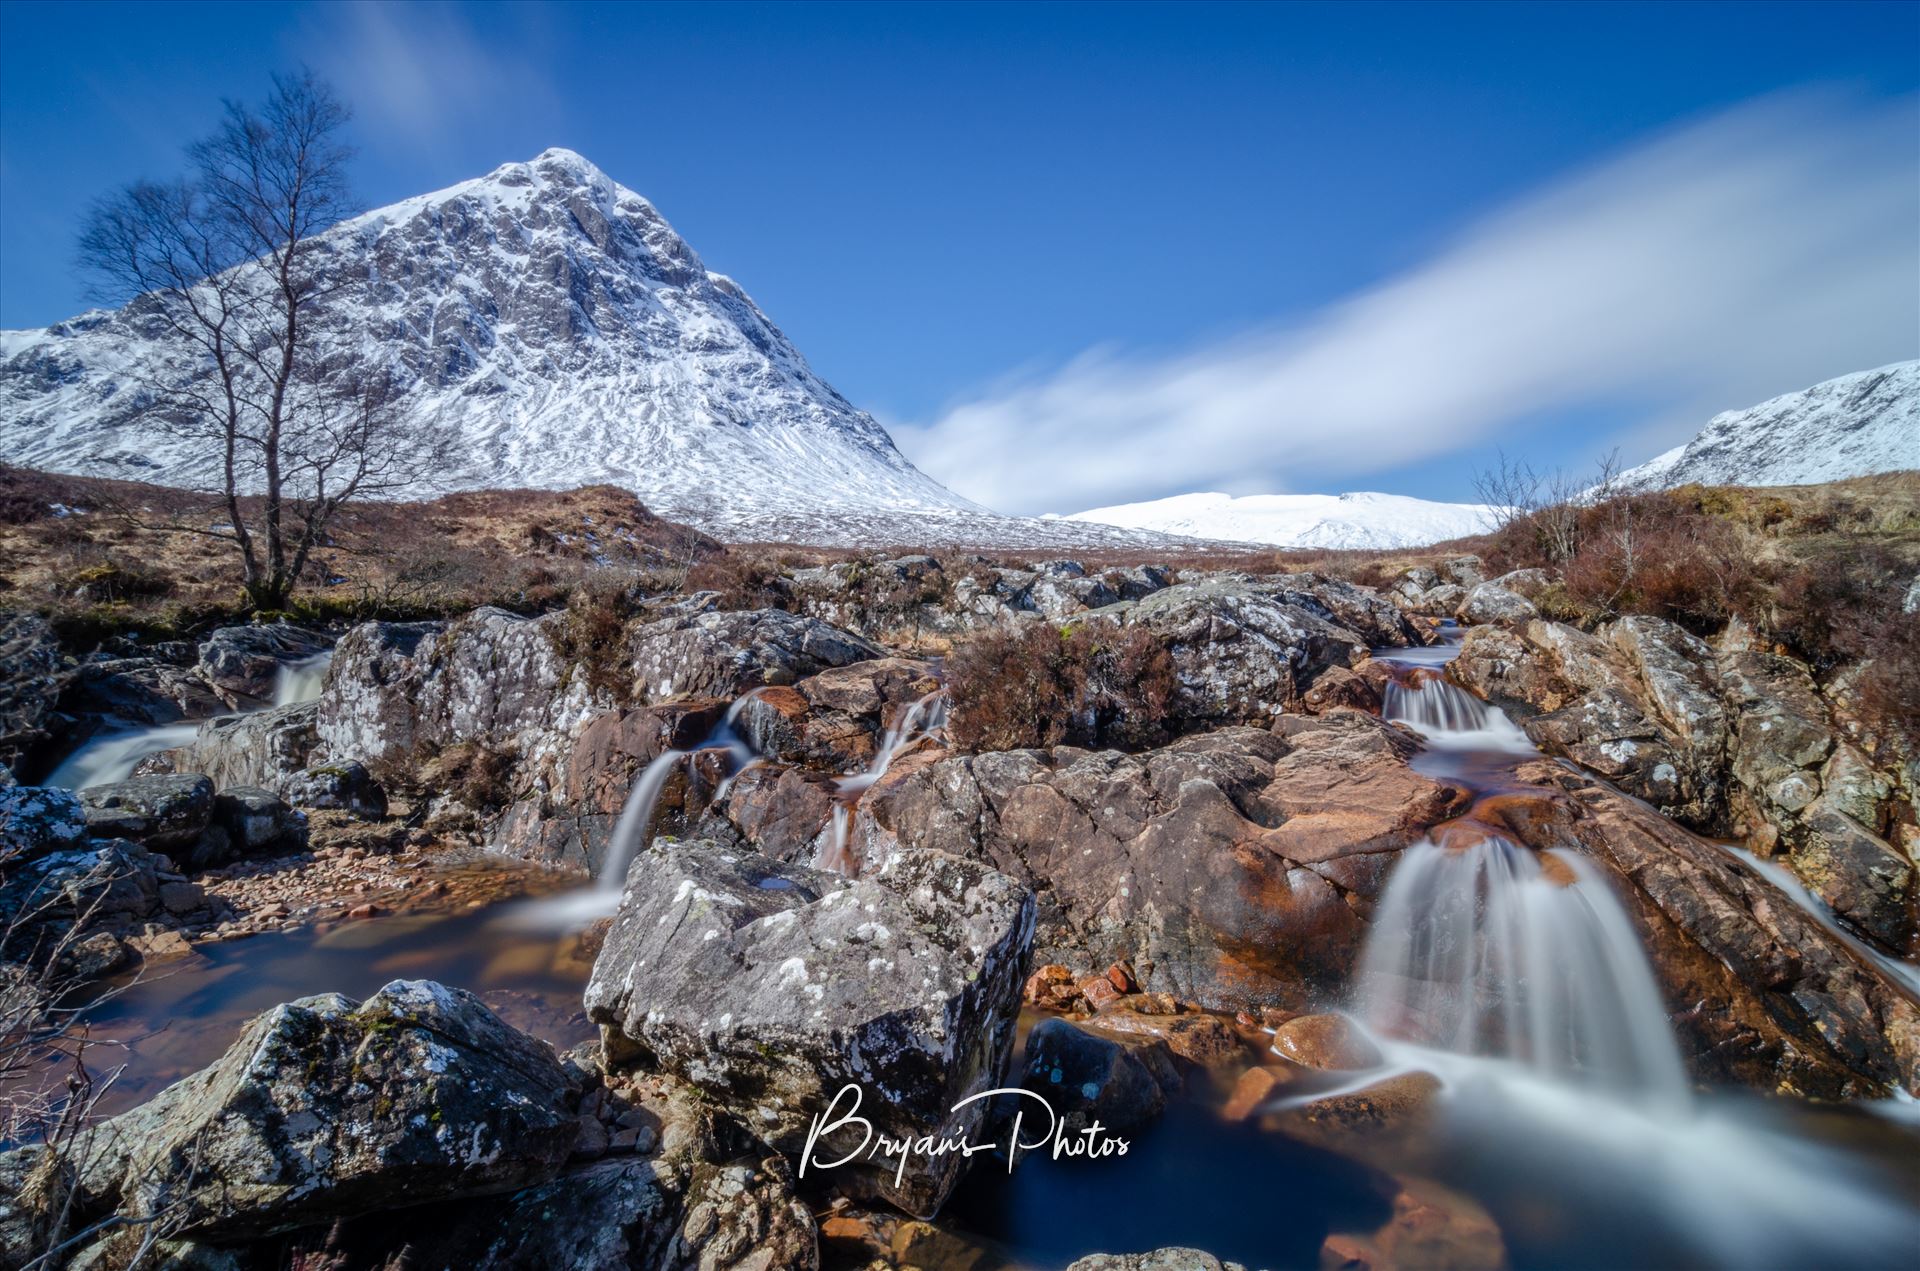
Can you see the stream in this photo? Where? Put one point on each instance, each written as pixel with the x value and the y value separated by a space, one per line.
pixel 1514 977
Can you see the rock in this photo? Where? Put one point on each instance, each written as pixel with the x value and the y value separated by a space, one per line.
pixel 1169 1259
pixel 1203 1040
pixel 772 987
pixel 33 674
pixel 1856 872
pixel 1431 1227
pixel 1762 993
pixel 242 663
pixel 1491 602
pixel 1325 1041
pixel 1244 650
pixel 343 787
pixel 1255 1088
pixel 1140 580
pixel 1397 1107
pixel 35 820
pixel 1232 868
pixel 261 748
pixel 1361 610
pixel 325 1109
pixel 143 690
pixel 397 692
pixel 256 822
pixel 160 812
pixel 1087 1077
pixel 722 655
pixel 95 956
pixel 68 893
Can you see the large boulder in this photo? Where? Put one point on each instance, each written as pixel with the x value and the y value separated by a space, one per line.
pixel 58 897
pixel 164 813
pixel 1491 602
pixel 399 691
pixel 243 663
pixel 1244 651
pixel 723 654
pixel 1231 868
pixel 35 820
pixel 325 1108
pixel 260 748
pixel 1122 1082
pixel 33 673
pixel 773 987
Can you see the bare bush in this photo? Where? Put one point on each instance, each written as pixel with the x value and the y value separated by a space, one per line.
pixel 1095 684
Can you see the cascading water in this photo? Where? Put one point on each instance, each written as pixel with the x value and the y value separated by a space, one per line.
pixel 301 681
pixel 113 756
pixel 1519 980
pixel 1491 949
pixel 923 718
pixel 630 832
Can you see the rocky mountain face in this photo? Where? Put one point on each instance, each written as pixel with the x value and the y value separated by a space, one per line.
pixel 555 323
pixel 1852 426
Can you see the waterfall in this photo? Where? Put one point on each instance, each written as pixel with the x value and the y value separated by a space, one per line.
pixel 113 756
pixel 631 831
pixel 923 718
pixel 1492 949
pixel 301 681
pixel 1450 718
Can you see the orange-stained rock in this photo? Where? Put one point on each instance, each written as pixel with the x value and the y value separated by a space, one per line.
pixel 1255 1087
pixel 1198 1038
pixel 1325 1041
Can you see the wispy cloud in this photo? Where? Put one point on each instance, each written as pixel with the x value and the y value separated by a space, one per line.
pixel 420 73
pixel 1746 255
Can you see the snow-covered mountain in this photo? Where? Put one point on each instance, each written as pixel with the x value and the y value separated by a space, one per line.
pixel 1358 520
pixel 565 334
pixel 1853 426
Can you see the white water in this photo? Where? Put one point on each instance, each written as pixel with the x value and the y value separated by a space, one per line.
pixel 1484 950
pixel 113 756
pixel 1450 718
pixel 1898 969
pixel 922 719
pixel 301 681
pixel 631 831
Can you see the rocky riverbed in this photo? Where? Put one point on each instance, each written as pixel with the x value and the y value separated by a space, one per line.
pixel 559 940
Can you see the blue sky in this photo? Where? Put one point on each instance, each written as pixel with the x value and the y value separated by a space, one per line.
pixel 1021 233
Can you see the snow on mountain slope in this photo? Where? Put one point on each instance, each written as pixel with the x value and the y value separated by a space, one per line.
pixel 1853 426
pixel 563 331
pixel 1302 520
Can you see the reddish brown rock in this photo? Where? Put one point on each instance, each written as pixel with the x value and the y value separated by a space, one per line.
pixel 1325 1041
pixel 1255 1088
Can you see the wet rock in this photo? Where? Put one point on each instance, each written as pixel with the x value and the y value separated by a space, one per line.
pixel 1762 993
pixel 242 663
pixel 161 812
pixel 780 811
pixel 1397 1106
pixel 1856 872
pixel 771 987
pixel 33 674
pixel 143 690
pixel 722 655
pixel 1490 602
pixel 1087 1077
pixel 1325 1041
pixel 261 748
pixel 1206 1041
pixel 325 1109
pixel 343 787
pixel 1431 1227
pixel 1230 868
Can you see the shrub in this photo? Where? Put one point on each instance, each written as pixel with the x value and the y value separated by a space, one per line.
pixel 474 775
pixel 593 636
pixel 743 581
pixel 1093 684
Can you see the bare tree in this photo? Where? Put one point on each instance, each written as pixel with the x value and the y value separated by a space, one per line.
pixel 1510 489
pixel 226 262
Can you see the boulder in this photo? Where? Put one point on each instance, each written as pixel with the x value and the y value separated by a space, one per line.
pixel 723 654
pixel 1173 1258
pixel 1325 1041
pixel 33 674
pixel 342 787
pixel 325 1108
pixel 144 690
pixel 773 987
pixel 1361 610
pixel 1087 1077
pixel 1491 602
pixel 1244 651
pixel 243 663
pixel 161 812
pixel 260 748
pixel 61 896
pixel 35 820
pixel 256 822
pixel 1230 868
pixel 397 692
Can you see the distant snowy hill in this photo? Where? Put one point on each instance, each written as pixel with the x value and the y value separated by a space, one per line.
pixel 1301 520
pixel 567 335
pixel 1848 427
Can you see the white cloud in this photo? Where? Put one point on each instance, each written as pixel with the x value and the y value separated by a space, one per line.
pixel 419 73
pixel 1754 253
